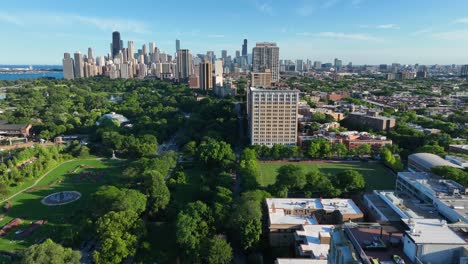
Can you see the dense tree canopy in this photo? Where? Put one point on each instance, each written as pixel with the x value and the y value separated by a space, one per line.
pixel 49 252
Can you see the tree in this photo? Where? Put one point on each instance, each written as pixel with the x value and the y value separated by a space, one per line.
pixel 451 173
pixel 349 181
pixel 320 183
pixel 340 149
pixel 214 152
pixel 249 169
pixel 157 191
pixel 190 148
pixel 246 220
pixel 218 251
pixel 364 149
pixel 291 176
pixel 111 198
pixel 434 149
pixel 49 252
pixel 192 226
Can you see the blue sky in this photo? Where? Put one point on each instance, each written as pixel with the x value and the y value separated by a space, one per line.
pixel 361 31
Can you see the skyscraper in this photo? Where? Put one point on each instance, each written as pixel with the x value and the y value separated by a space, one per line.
pixel 177 45
pixel 224 54
pixel 338 64
pixel 90 55
pixel 68 67
pixel 184 64
pixel 131 51
pixel 79 64
pixel 464 71
pixel 116 43
pixel 151 47
pixel 206 75
pixel 266 56
pixel 272 116
pixel 244 48
pixel 218 73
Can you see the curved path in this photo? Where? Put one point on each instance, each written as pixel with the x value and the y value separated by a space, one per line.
pixel 40 179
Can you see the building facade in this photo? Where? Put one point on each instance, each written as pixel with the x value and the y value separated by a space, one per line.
pixel 272 116
pixel 265 55
pixel 261 79
pixel 184 64
pixel 206 76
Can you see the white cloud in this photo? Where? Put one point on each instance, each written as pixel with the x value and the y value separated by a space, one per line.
pixel 383 26
pixel 452 35
pixel 340 35
pixel 355 36
pixel 461 21
pixel 356 2
pixel 422 31
pixel 61 19
pixel 388 26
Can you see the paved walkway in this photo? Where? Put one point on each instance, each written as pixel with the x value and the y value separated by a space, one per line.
pixel 38 180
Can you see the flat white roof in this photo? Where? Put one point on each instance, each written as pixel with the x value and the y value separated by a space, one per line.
pixel 312 234
pixel 300 261
pixel 432 231
pixel 277 207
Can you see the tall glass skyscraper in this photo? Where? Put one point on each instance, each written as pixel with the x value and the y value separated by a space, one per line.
pixel 116 43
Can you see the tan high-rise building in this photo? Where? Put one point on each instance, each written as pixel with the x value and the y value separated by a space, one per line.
pixel 184 64
pixel 206 75
pixel 265 55
pixel 261 79
pixel 68 67
pixel 272 116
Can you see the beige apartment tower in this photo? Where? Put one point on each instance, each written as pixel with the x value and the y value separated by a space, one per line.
pixel 265 56
pixel 261 79
pixel 206 75
pixel 272 116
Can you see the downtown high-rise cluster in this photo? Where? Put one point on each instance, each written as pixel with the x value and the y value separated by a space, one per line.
pixel 204 71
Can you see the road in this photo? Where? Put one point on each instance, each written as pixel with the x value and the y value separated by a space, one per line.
pixel 239 256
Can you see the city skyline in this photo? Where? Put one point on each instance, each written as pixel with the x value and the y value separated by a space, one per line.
pixel 429 32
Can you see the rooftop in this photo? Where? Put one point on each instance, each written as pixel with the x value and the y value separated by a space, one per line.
pixel 432 231
pixel 277 207
pixel 300 261
pixel 430 160
pixel 376 242
pixel 311 239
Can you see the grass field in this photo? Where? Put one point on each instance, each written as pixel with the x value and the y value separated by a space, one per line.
pixel 377 176
pixel 61 219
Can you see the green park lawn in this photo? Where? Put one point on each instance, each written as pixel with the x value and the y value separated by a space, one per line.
pixel 376 176
pixel 60 219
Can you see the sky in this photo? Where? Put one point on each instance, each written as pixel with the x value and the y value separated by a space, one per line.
pixel 357 31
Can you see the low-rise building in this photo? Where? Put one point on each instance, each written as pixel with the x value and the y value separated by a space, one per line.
pixel 432 241
pixel 424 162
pixel 299 261
pixel 371 120
pixel 460 161
pixel 365 243
pixel 285 216
pixel 313 241
pixel 463 149
pixel 446 196
pixel 14 130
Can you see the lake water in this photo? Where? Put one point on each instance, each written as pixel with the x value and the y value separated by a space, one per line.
pixel 12 76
